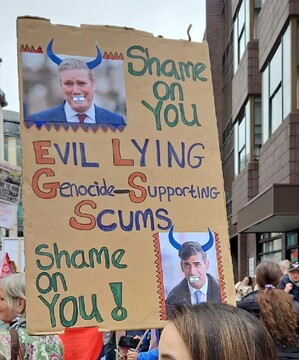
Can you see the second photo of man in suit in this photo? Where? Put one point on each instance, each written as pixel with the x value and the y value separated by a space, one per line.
pixel 198 284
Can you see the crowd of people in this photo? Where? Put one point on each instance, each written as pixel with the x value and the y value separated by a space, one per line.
pixel 264 324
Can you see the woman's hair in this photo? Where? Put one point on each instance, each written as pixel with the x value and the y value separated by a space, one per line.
pixel 215 331
pixel 279 316
pixel 14 288
pixel 249 280
pixel 267 273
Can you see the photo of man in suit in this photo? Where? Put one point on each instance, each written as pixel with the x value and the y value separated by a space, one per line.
pixel 198 285
pixel 78 84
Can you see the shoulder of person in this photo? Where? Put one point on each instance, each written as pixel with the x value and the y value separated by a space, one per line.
pixel 45 113
pixel 181 286
pixel 249 301
pixel 283 281
pixel 51 345
pixel 5 343
pixel 288 352
pixel 212 279
pixel 109 114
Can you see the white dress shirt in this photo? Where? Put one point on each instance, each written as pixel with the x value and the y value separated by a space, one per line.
pixel 204 291
pixel 71 114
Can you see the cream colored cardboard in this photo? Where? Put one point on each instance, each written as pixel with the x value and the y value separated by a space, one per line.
pixel 100 201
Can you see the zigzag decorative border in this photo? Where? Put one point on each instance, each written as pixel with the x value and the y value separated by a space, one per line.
pixel 220 269
pixel 159 276
pixel 74 126
pixel 31 49
pixel 111 56
pixel 38 50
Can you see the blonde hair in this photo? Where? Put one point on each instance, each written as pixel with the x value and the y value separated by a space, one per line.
pixel 14 288
pixel 215 331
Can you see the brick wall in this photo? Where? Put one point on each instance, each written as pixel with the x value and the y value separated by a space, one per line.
pixel 234 4
pixel 246 250
pixel 214 37
pixel 272 18
pixel 247 79
pixel 279 156
pixel 245 187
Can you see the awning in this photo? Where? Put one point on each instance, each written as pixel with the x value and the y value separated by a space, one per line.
pixel 274 210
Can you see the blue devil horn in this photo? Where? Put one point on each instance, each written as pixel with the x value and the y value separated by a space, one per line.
pixel 91 64
pixel 51 55
pixel 172 240
pixel 207 246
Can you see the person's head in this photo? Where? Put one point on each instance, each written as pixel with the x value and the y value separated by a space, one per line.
pixel 215 331
pixel 278 314
pixel 267 273
pixel 12 297
pixel 77 83
pixel 247 281
pixel 294 271
pixel 194 263
pixel 284 266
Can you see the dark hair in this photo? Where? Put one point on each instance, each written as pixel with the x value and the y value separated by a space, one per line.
pixel 215 331
pixel 190 248
pixel 279 316
pixel 249 280
pixel 267 273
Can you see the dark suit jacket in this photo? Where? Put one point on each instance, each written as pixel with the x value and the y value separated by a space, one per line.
pixel 57 114
pixel 180 295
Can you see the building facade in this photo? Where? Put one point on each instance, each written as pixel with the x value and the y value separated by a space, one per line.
pixel 254 52
pixel 10 151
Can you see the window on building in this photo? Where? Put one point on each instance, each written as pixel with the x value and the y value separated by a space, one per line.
pixel 242 139
pixel 227 131
pixel 276 87
pixel 257 128
pixel 292 246
pixel 269 247
pixel 241 31
pixel 257 9
pixel 12 142
pixel 241 144
pixel 275 90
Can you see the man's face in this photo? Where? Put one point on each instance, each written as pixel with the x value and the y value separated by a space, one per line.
pixel 76 83
pixel 294 275
pixel 195 270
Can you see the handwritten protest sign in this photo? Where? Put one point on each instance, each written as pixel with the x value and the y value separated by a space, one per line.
pixel 121 167
pixel 10 186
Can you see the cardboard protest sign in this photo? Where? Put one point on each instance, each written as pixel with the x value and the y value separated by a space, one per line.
pixel 121 169
pixel 10 186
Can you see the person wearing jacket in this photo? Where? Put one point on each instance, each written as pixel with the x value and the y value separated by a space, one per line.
pixel 152 354
pixel 290 281
pixel 276 309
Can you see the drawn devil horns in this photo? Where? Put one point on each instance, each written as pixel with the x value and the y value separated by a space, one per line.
pixel 91 64
pixel 205 247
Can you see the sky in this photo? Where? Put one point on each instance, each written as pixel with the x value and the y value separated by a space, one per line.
pixel 168 18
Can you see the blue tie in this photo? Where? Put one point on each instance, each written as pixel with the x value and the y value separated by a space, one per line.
pixel 198 296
